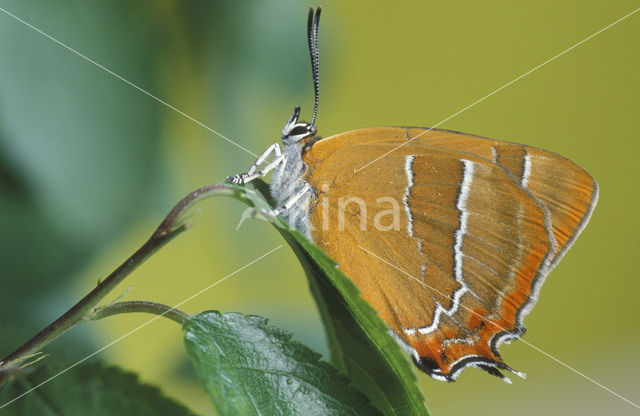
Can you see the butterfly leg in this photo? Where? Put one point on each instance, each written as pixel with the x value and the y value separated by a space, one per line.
pixel 253 172
pixel 290 202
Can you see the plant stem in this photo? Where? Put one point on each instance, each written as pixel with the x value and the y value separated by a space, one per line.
pixel 137 306
pixel 170 227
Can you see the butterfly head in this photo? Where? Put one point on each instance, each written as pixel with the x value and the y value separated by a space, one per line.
pixel 295 131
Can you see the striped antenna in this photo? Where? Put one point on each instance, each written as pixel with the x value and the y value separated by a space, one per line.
pixel 312 35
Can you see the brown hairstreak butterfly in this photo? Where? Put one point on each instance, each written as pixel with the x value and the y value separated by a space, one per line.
pixel 467 227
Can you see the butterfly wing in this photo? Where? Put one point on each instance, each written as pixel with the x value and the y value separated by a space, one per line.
pixel 567 192
pixel 479 242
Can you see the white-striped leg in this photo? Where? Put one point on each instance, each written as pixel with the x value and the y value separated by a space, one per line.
pixel 252 174
pixel 278 162
pixel 290 202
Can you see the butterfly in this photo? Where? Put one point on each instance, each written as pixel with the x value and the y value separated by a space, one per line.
pixel 449 236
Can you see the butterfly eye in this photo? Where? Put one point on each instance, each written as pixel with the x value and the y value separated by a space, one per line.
pixel 300 130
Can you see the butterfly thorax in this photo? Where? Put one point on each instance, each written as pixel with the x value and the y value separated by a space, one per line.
pixel 290 181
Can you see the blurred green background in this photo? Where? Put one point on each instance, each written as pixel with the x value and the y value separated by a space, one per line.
pixel 89 165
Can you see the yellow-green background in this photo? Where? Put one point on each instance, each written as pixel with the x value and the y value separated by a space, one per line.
pixel 239 68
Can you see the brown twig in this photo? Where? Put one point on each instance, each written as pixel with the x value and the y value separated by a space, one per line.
pixel 170 227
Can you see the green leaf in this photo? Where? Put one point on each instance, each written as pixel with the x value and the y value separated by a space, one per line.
pixel 90 389
pixel 250 368
pixel 360 342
